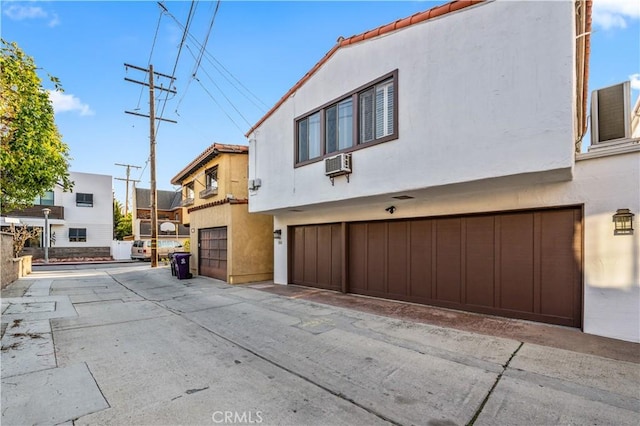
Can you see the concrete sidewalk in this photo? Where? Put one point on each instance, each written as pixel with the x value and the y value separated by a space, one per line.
pixel 133 345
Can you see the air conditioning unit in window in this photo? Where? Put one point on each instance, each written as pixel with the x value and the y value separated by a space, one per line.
pixel 337 165
pixel 610 114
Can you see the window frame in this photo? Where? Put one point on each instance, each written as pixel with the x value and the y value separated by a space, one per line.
pixel 40 201
pixel 356 122
pixel 81 199
pixel 207 175
pixel 80 236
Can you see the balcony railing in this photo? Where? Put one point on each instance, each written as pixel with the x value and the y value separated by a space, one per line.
pixel 186 202
pixel 209 192
pixel 57 212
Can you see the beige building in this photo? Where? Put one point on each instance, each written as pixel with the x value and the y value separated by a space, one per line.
pixel 227 242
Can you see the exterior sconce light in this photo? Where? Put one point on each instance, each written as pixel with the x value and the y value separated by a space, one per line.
pixel 623 222
pixel 277 234
pixel 391 209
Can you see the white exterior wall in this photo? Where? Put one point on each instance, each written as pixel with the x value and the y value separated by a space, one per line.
pixel 483 92
pixel 98 220
pixel 611 281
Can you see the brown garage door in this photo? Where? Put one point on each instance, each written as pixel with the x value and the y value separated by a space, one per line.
pixel 317 256
pixel 212 252
pixel 521 265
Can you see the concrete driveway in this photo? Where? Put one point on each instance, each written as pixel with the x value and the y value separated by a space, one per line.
pixel 133 345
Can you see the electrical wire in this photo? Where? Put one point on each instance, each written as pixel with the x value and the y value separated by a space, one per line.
pixel 153 45
pixel 211 58
pixel 206 40
pixel 222 92
pixel 220 106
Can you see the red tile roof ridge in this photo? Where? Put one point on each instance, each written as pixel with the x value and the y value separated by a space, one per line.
pixel 434 12
pixel 211 151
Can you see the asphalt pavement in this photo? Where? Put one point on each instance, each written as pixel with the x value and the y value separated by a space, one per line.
pixel 127 344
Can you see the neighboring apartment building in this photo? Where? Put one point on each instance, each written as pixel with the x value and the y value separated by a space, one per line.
pixel 227 242
pixel 433 160
pixel 170 214
pixel 80 222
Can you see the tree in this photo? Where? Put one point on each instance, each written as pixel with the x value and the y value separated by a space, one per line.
pixel 33 157
pixel 21 234
pixel 121 223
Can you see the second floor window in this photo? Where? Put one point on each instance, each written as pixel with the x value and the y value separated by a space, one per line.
pixel 188 192
pixel 367 115
pixel 47 199
pixel 309 137
pixel 211 178
pixel 84 200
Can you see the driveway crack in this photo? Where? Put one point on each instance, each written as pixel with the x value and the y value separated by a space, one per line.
pixel 495 384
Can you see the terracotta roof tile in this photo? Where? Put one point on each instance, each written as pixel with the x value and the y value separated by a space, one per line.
pixel 209 153
pixel 387 28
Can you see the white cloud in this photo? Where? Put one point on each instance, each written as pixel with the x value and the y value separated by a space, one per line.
pixel 609 14
pixel 63 103
pixel 635 81
pixel 19 12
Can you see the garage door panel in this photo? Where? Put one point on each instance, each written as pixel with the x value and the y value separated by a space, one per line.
pixel 480 259
pixel 397 268
pixel 336 256
pixel 376 257
pixel 310 274
pixel 357 257
pixel 558 264
pixel 324 255
pixel 516 262
pixel 313 256
pixel 298 255
pixel 448 260
pixel 420 258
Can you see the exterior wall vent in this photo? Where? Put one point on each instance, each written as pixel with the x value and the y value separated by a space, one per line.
pixel 338 165
pixel 610 114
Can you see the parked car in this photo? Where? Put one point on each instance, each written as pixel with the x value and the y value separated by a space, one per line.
pixel 141 249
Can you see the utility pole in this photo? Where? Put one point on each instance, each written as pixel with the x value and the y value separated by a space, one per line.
pixel 126 201
pixel 152 149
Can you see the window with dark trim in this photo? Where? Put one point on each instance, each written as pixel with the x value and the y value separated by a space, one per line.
pixel 211 183
pixel 368 115
pixel 84 200
pixel 78 234
pixel 211 178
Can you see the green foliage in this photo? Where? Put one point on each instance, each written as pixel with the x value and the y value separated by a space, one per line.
pixel 33 157
pixel 121 223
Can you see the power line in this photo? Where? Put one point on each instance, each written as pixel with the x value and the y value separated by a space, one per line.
pixel 209 55
pixel 206 40
pixel 223 94
pixel 153 45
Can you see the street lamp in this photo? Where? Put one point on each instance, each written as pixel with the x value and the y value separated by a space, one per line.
pixel 46 234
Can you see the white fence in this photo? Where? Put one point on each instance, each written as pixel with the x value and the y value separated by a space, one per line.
pixel 121 250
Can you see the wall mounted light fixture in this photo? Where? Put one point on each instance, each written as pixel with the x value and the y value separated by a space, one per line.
pixel 391 209
pixel 277 234
pixel 623 222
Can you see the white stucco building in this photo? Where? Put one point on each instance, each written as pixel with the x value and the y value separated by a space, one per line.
pixel 81 222
pixel 433 160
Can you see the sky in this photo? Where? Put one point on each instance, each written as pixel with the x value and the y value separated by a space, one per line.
pixel 254 52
